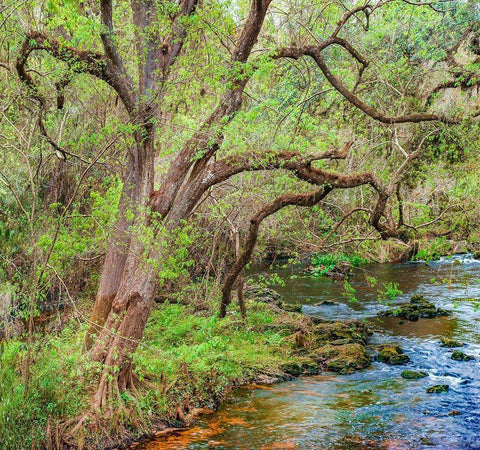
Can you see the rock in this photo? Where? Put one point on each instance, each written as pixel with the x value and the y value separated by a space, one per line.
pixel 418 307
pixel 266 379
pixel 326 302
pixel 457 355
pixel 336 275
pixel 476 255
pixel 340 271
pixel 353 331
pixel 291 308
pixel 267 295
pixel 392 354
pixel 307 367
pixel 413 374
pixel 450 343
pixel 417 298
pixel 344 359
pixel 339 346
pixel 437 389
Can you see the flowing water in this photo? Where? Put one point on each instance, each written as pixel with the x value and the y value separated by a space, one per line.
pixel 374 408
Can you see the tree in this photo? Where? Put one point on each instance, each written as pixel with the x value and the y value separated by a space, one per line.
pixel 149 218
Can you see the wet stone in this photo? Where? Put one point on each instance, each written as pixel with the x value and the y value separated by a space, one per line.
pixel 457 355
pixel 392 354
pixel 413 374
pixel 437 389
pixel 419 307
pixel 450 343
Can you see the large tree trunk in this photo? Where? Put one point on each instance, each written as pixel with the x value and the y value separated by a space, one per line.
pixel 114 263
pixel 126 294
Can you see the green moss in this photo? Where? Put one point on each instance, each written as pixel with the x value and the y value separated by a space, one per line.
pixel 457 355
pixel 392 354
pixel 419 307
pixel 344 359
pixel 413 374
pixel 323 263
pixel 450 343
pixel 437 389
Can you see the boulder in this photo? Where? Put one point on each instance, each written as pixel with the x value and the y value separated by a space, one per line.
pixel 437 389
pixel 413 374
pixel 450 343
pixel 267 295
pixel 457 355
pixel 392 354
pixel 419 307
pixel 344 359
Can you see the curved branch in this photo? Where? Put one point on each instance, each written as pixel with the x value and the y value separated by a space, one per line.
pixel 207 139
pixel 369 110
pixel 306 200
pixel 79 61
pixel 267 160
pixel 314 51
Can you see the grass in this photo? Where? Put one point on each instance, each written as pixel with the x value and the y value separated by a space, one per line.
pixel 188 359
pixel 326 262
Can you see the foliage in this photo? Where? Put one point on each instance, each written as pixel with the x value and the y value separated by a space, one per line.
pixel 324 263
pixel 185 357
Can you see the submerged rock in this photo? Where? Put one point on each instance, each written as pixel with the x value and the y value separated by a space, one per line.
pixel 419 307
pixel 457 355
pixel 392 354
pixel 326 302
pixel 437 389
pixel 413 374
pixel 450 343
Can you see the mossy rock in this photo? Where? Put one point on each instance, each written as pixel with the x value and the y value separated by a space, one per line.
pixel 267 295
pixel 290 308
pixel 457 355
pixel 351 331
pixel 476 255
pixel 417 298
pixel 392 354
pixel 413 374
pixel 296 368
pixel 437 389
pixel 344 359
pixel 418 307
pixel 451 343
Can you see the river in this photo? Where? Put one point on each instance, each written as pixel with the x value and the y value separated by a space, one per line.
pixel 376 407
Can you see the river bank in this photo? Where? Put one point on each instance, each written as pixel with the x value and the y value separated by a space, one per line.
pixel 190 360
pixel 377 407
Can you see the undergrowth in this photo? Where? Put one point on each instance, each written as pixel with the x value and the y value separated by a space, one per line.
pixel 326 262
pixel 187 359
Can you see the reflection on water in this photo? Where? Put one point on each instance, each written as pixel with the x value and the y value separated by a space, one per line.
pixel 375 408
